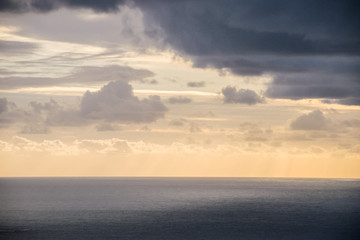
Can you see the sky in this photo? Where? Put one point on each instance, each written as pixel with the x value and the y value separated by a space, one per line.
pixel 192 88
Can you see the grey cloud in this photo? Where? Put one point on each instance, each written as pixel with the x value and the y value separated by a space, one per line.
pixel 36 119
pixel 261 27
pixel 237 26
pixel 60 116
pixel 314 120
pixel 254 132
pixel 257 135
pixel 244 96
pixel 257 65
pixel 109 73
pixel 145 129
pixel 344 89
pixel 319 39
pixel 10 113
pixel 81 75
pixel 208 114
pixel 10 6
pixel 349 100
pixel 153 81
pixel 3 105
pixel 54 114
pixel 194 128
pixel 179 100
pixel 44 107
pixel 116 102
pixel 102 127
pixel 353 123
pixel 196 84
pixel 178 122
pixel 113 31
pixel 21 6
pixel 15 47
pixel 35 129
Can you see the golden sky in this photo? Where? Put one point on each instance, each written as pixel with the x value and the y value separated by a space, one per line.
pixel 125 88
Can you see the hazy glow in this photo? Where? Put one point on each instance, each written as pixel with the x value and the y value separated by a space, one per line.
pixel 86 92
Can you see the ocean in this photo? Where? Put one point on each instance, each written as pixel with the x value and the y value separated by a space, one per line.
pixel 179 208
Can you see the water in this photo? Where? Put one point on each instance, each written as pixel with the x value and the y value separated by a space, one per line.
pixel 178 208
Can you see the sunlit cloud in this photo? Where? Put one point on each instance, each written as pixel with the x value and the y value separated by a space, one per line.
pixel 163 88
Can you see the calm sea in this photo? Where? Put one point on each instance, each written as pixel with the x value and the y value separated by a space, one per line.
pixel 178 208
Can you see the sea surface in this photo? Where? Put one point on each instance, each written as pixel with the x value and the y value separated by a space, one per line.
pixel 179 208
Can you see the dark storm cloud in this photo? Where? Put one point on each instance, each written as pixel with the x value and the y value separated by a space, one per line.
pixel 349 100
pixel 81 75
pixel 276 27
pixel 257 65
pixel 51 5
pixel 343 88
pixel 244 96
pixel 318 38
pixel 233 26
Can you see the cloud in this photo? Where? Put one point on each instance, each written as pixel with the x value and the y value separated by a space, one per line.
pixel 80 76
pixel 349 101
pixel 15 47
pixel 179 100
pixel 244 96
pixel 194 128
pixel 196 84
pixel 321 42
pixel 10 113
pixel 332 86
pixel 35 129
pixel 233 27
pixel 103 127
pixel 3 105
pixel 208 114
pixel 104 146
pixel 314 120
pixel 116 102
pixel 178 122
pixel 353 123
pixel 254 132
pixel 51 5
pixel 54 114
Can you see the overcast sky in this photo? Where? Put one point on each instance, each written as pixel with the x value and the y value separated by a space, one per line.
pixel 180 88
